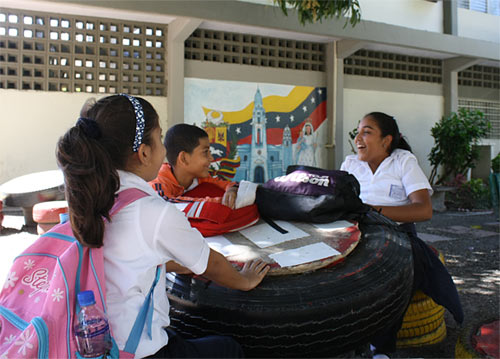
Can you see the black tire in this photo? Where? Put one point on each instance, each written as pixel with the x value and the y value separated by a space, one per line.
pixel 317 314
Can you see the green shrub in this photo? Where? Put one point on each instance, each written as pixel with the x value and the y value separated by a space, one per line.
pixel 455 139
pixel 495 164
pixel 473 194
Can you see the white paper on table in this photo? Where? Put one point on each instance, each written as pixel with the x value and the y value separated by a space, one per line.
pixel 263 235
pixel 306 254
pixel 333 225
pixel 181 206
pixel 221 245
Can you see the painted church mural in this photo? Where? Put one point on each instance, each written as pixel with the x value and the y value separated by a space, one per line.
pixel 257 130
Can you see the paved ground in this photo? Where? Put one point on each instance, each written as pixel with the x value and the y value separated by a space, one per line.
pixel 468 240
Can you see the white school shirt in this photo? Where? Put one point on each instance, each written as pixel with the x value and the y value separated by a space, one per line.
pixel 144 234
pixel 395 178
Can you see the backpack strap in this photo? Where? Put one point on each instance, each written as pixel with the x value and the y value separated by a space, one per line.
pixel 145 317
pixel 126 197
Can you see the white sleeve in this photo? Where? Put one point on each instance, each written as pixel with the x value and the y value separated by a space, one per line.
pixel 172 237
pixel 412 176
pixel 346 164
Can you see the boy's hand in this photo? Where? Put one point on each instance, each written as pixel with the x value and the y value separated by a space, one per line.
pixel 229 198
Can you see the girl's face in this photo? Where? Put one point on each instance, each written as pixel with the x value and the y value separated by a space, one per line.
pixel 308 130
pixel 372 147
pixel 158 152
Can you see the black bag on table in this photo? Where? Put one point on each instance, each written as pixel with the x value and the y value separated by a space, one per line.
pixel 310 194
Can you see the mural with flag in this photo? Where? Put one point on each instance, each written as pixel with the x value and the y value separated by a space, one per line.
pixel 268 128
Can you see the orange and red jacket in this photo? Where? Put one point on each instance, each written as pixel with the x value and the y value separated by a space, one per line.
pixel 167 186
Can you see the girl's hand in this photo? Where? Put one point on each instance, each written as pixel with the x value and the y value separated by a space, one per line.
pixel 254 271
pixel 229 198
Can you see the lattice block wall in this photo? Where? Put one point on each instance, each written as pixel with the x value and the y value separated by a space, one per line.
pixel 53 52
pixel 480 76
pixel 393 66
pixel 490 109
pixel 254 50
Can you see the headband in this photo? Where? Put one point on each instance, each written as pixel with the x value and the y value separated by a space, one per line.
pixel 140 122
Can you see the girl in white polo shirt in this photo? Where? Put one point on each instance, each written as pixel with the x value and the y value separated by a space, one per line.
pixel 115 145
pixel 393 183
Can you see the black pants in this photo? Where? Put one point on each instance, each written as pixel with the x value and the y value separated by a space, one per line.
pixel 431 277
pixel 213 346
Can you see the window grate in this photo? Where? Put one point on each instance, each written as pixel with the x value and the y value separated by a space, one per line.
pixel 54 52
pixel 393 66
pixel 480 76
pixel 486 6
pixel 254 50
pixel 490 109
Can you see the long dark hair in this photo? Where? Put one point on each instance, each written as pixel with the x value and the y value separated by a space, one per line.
pixel 388 126
pixel 90 153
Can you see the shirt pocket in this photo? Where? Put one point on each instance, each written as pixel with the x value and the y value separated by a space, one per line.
pixel 397 192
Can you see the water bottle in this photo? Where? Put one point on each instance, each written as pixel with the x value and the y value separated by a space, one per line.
pixel 93 338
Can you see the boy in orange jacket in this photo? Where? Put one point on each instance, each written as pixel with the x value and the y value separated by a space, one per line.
pixel 189 158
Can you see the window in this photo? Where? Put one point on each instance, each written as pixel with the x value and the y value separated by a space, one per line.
pixel 486 6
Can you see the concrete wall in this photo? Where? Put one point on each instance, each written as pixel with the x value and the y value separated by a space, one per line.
pixel 414 113
pixel 478 25
pixel 33 121
pixel 414 14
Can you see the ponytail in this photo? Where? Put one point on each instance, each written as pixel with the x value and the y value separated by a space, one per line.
pixel 388 126
pixel 90 155
pixel 90 184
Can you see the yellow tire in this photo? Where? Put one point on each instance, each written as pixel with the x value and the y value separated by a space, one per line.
pixel 434 337
pixel 423 322
pixel 423 326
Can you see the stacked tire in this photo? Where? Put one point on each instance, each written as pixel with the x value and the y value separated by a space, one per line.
pixel 423 323
pixel 47 214
pixel 323 313
pixel 479 338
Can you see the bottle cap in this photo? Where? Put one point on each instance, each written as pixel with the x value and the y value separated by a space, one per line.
pixel 86 298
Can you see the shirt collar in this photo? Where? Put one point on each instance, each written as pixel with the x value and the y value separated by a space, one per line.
pixel 131 180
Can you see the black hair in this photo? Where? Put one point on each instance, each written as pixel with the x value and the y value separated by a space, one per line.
pixel 90 153
pixel 388 126
pixel 182 137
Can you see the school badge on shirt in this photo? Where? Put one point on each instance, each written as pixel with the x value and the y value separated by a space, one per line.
pixel 397 192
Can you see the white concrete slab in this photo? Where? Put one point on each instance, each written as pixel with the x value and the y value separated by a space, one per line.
pixel 427 237
pixel 465 231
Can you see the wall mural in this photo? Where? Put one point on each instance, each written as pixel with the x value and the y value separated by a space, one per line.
pixel 257 130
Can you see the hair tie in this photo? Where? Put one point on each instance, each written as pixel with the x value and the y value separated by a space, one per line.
pixel 140 123
pixel 89 127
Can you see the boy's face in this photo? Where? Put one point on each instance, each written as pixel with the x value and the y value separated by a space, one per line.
pixel 198 161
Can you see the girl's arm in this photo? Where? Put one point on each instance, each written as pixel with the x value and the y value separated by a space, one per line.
pixel 420 208
pixel 223 273
pixel 172 266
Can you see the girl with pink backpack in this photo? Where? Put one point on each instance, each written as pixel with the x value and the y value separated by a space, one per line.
pixel 117 145
pixel 107 159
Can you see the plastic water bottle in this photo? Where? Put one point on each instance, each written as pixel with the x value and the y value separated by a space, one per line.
pixel 92 334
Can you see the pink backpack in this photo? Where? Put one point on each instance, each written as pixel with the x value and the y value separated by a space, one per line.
pixel 38 305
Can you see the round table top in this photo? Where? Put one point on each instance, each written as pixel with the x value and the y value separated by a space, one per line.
pixel 33 182
pixel 27 190
pixel 305 246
